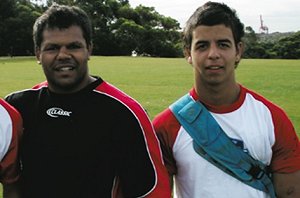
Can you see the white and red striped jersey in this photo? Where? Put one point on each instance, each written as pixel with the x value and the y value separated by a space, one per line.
pixel 253 123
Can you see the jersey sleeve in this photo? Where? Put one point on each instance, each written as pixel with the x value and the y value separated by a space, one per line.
pixel 166 127
pixel 10 132
pixel 140 168
pixel 286 150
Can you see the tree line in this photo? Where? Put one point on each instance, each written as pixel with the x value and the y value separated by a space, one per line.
pixel 275 45
pixel 119 29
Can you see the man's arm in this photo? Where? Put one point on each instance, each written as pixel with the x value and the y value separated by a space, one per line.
pixel 287 185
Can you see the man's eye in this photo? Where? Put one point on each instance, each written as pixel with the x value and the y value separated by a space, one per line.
pixel 201 46
pixel 74 46
pixel 51 48
pixel 224 45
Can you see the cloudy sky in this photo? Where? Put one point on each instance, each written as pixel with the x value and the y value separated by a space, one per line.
pixel 278 15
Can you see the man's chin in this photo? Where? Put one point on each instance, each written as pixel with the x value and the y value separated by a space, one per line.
pixel 64 87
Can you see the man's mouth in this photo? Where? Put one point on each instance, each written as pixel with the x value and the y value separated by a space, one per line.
pixel 214 67
pixel 64 68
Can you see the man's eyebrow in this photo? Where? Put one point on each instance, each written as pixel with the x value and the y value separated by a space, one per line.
pixel 225 40
pixel 75 43
pixel 201 42
pixel 47 45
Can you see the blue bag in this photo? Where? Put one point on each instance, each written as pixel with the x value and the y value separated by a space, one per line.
pixel 212 143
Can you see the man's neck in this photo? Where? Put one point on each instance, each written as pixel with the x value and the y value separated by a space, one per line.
pixel 218 95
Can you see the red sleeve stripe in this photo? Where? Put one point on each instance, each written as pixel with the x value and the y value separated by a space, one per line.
pixel 5 131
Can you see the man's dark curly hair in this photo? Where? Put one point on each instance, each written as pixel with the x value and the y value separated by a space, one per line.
pixel 62 17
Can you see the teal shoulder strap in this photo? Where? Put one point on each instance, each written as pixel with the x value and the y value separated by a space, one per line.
pixel 212 143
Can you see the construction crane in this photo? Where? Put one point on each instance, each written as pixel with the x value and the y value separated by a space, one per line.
pixel 263 29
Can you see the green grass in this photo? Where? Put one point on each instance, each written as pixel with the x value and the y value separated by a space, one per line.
pixel 157 82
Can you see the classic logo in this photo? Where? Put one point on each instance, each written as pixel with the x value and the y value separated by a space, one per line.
pixel 55 112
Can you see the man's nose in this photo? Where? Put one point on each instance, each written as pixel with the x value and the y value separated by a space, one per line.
pixel 63 53
pixel 214 52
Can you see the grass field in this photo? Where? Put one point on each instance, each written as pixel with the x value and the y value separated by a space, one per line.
pixel 157 82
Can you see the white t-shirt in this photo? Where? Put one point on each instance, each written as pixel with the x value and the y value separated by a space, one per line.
pixel 253 123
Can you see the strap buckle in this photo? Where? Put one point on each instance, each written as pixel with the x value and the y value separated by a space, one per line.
pixel 256 172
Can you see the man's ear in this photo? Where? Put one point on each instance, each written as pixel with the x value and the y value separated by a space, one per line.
pixel 187 54
pixel 90 50
pixel 37 55
pixel 239 52
pixel 189 60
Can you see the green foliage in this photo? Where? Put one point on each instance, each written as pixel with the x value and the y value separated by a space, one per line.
pixel 16 29
pixel 145 31
pixel 119 29
pixel 250 36
pixel 127 35
pixel 276 45
pixel 7 9
pixel 289 47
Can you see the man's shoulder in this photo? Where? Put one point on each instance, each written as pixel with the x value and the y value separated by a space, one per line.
pixel 23 96
pixel 117 94
pixel 275 109
pixel 40 85
pixel 164 117
pixel 166 122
